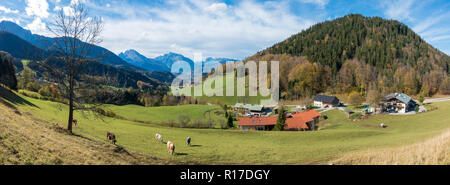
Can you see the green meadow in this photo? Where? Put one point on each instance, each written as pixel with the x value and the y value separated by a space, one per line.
pixel 337 136
pixel 224 98
pixel 166 114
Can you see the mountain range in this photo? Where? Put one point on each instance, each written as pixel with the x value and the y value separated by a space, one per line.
pixel 164 62
pixel 130 59
pixel 44 43
pixel 124 75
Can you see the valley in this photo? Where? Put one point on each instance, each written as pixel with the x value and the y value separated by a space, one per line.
pixel 337 137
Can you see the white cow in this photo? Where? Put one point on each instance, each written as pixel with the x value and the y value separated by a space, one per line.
pixel 159 137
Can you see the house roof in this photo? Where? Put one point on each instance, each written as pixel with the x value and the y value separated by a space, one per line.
pixel 399 96
pixel 257 121
pixel 326 99
pixel 297 121
pixel 252 107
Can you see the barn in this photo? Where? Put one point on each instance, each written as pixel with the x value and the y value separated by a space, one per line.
pixel 325 101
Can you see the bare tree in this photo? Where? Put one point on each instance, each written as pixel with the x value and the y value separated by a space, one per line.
pixel 75 33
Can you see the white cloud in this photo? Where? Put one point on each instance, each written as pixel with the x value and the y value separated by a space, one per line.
pixel 398 9
pixel 68 11
pixel 37 26
pixel 7 10
pixel 57 8
pixel 216 7
pixel 75 2
pixel 439 38
pixel 321 3
pixel 240 31
pixel 424 25
pixel 9 19
pixel 38 8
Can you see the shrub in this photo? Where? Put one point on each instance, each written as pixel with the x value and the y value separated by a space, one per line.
pixel 356 115
pixel 30 94
pixel 230 123
pixel 171 123
pixel 183 120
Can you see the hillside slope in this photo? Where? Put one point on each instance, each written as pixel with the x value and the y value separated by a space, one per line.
pixel 24 139
pixel 434 151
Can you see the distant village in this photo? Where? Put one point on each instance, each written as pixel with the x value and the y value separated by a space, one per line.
pixel 306 118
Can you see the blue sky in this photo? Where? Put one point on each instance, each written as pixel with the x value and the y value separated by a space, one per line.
pixel 218 28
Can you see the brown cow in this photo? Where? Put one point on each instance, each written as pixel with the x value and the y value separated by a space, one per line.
pixel 110 136
pixel 171 147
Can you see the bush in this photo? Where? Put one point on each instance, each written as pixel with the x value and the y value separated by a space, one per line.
pixel 171 123
pixel 356 115
pixel 230 123
pixel 183 120
pixel 30 94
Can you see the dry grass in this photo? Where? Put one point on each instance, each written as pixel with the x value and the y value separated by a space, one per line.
pixel 26 140
pixel 434 151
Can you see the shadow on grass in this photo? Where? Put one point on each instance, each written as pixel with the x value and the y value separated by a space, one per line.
pixel 13 98
pixel 177 154
pixel 196 145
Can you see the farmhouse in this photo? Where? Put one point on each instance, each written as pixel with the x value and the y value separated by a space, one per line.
pixel 399 102
pixel 296 122
pixel 325 101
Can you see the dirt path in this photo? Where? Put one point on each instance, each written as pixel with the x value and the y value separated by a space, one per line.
pixel 25 140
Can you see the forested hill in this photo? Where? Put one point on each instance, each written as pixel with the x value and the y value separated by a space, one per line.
pixel 389 48
pixel 381 43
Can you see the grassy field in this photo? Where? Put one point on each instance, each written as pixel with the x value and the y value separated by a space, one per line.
pixel 228 100
pixel 215 146
pixel 165 114
pixel 435 151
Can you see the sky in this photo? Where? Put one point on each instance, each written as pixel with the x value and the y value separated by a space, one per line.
pixel 225 28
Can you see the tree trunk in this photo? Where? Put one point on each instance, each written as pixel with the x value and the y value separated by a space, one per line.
pixel 69 125
pixel 70 121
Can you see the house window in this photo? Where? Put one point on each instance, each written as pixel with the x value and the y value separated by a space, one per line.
pixel 253 121
pixel 260 121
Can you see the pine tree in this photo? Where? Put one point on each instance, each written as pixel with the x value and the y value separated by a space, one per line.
pixel 230 121
pixel 281 120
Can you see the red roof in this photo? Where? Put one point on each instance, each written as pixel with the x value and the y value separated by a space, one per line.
pixel 259 121
pixel 297 121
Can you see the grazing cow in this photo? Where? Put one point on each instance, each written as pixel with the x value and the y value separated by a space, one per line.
pixel 75 121
pixel 159 137
pixel 188 141
pixel 171 147
pixel 382 125
pixel 110 136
